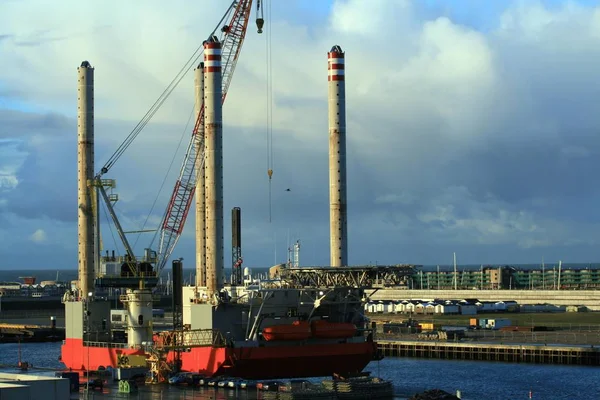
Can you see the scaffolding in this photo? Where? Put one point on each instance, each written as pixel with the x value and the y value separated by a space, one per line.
pixel 362 277
pixel 160 369
pixel 186 338
pixel 177 340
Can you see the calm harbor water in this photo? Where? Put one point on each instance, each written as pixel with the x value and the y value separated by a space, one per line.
pixel 475 379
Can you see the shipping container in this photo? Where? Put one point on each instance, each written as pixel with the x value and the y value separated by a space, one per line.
pixel 497 323
pixel 427 326
pixel 453 328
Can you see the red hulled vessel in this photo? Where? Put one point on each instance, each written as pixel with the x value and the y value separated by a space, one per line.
pixel 269 333
pixel 285 361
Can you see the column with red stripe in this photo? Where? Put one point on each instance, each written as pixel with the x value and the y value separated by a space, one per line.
pixel 213 170
pixel 338 222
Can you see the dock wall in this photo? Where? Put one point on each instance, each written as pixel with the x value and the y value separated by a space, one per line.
pixel 39 387
pixel 538 354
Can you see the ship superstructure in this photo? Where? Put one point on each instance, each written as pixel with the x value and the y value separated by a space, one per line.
pixel 274 329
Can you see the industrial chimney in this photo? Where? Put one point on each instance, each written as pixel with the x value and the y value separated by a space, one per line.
pixel 236 246
pixel 200 189
pixel 85 176
pixel 338 223
pixel 213 147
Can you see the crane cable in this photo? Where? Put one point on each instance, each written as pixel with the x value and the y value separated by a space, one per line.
pixel 193 60
pixel 153 109
pixel 162 185
pixel 269 58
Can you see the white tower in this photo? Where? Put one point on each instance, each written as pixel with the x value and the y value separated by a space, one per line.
pixel 338 223
pixel 200 189
pixel 213 144
pixel 139 316
pixel 85 176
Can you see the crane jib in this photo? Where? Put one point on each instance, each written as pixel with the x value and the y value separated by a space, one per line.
pixel 183 193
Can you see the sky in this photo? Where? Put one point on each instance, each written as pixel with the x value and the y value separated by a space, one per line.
pixel 472 127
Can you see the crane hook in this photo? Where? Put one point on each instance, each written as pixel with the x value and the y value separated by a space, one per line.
pixel 260 21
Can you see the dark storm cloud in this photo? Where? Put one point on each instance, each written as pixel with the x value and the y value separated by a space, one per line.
pixel 18 124
pixel 518 172
pixel 48 175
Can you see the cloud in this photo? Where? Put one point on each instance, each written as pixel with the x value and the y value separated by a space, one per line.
pixel 39 236
pixel 575 152
pixel 403 198
pixel 470 136
pixel 8 182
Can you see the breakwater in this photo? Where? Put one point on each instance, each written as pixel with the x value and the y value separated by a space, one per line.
pixel 521 353
pixel 12 333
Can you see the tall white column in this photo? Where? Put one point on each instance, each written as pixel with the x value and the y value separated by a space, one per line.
pixel 85 176
pixel 213 143
pixel 200 189
pixel 338 221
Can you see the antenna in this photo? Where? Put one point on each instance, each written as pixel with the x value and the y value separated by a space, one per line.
pixel 543 275
pixel 455 276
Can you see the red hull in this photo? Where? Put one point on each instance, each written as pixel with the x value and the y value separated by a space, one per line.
pixel 78 357
pixel 301 361
pixel 285 361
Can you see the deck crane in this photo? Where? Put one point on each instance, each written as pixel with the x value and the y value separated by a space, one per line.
pixel 232 37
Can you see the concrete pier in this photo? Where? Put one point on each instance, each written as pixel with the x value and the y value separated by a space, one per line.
pixel 538 354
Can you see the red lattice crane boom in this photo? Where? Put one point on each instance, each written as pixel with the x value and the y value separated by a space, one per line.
pixel 173 221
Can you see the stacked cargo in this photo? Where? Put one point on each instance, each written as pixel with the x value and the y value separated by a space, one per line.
pixel 490 323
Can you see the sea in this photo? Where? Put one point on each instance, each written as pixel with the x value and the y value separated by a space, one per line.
pixel 474 379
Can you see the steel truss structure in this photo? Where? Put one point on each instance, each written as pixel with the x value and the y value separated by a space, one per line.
pixel 358 277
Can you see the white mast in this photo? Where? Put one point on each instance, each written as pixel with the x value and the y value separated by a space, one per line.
pixel 455 274
pixel 559 270
pixel 543 275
